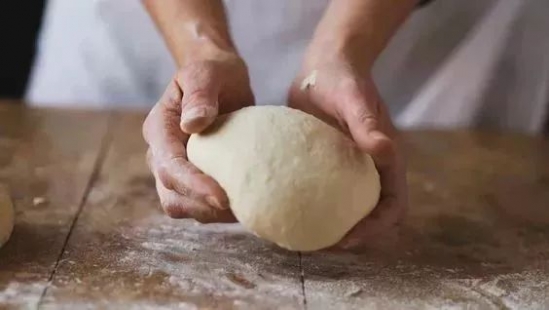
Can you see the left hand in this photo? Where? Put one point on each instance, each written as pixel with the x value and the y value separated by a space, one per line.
pixel 200 91
pixel 346 100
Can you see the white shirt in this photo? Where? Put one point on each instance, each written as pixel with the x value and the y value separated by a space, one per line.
pixel 453 64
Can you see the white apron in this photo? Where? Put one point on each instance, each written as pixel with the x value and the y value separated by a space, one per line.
pixel 453 64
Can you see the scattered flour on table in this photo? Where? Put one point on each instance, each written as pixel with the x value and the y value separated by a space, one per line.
pixel 120 305
pixel 526 290
pixel 218 260
pixel 225 261
pixel 21 295
pixel 388 290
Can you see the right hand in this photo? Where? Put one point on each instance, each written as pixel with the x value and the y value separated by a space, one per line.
pixel 196 95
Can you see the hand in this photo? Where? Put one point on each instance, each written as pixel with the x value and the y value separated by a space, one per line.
pixel 341 97
pixel 196 95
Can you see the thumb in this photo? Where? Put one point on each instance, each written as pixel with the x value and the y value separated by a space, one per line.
pixel 365 128
pixel 199 106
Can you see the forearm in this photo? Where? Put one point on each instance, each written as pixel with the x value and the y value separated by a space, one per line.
pixel 357 30
pixel 192 28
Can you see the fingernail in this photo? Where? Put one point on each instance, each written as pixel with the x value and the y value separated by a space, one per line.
pixel 214 202
pixel 196 113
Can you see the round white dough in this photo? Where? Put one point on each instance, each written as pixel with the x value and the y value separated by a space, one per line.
pixel 290 178
pixel 6 217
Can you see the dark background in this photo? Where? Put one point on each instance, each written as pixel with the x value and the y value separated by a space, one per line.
pixel 19 25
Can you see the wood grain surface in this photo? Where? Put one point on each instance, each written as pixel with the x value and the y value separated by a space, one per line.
pixel 47 159
pixel 476 236
pixel 125 252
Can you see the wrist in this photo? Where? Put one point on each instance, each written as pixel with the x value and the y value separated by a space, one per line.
pixel 199 42
pixel 358 30
pixel 349 50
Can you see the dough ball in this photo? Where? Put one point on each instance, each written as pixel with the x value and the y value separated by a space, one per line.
pixel 290 178
pixel 6 217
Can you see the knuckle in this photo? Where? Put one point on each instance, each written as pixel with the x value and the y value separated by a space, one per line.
pixel 145 131
pixel 150 160
pixel 172 102
pixel 364 116
pixel 165 177
pixel 156 119
pixel 176 161
pixel 147 124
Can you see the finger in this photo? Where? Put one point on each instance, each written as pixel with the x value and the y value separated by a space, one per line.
pixel 363 119
pixel 178 206
pixel 378 145
pixel 370 128
pixel 161 127
pixel 167 156
pixel 384 218
pixel 181 176
pixel 300 100
pixel 389 212
pixel 200 105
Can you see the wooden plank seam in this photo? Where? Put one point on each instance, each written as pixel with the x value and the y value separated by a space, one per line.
pixel 101 155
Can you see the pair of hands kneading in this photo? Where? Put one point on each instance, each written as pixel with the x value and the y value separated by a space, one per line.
pixel 336 94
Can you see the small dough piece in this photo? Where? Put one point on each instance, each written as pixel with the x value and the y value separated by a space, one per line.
pixel 290 178
pixel 309 81
pixel 6 216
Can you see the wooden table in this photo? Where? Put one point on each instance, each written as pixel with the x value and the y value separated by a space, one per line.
pixel 89 233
